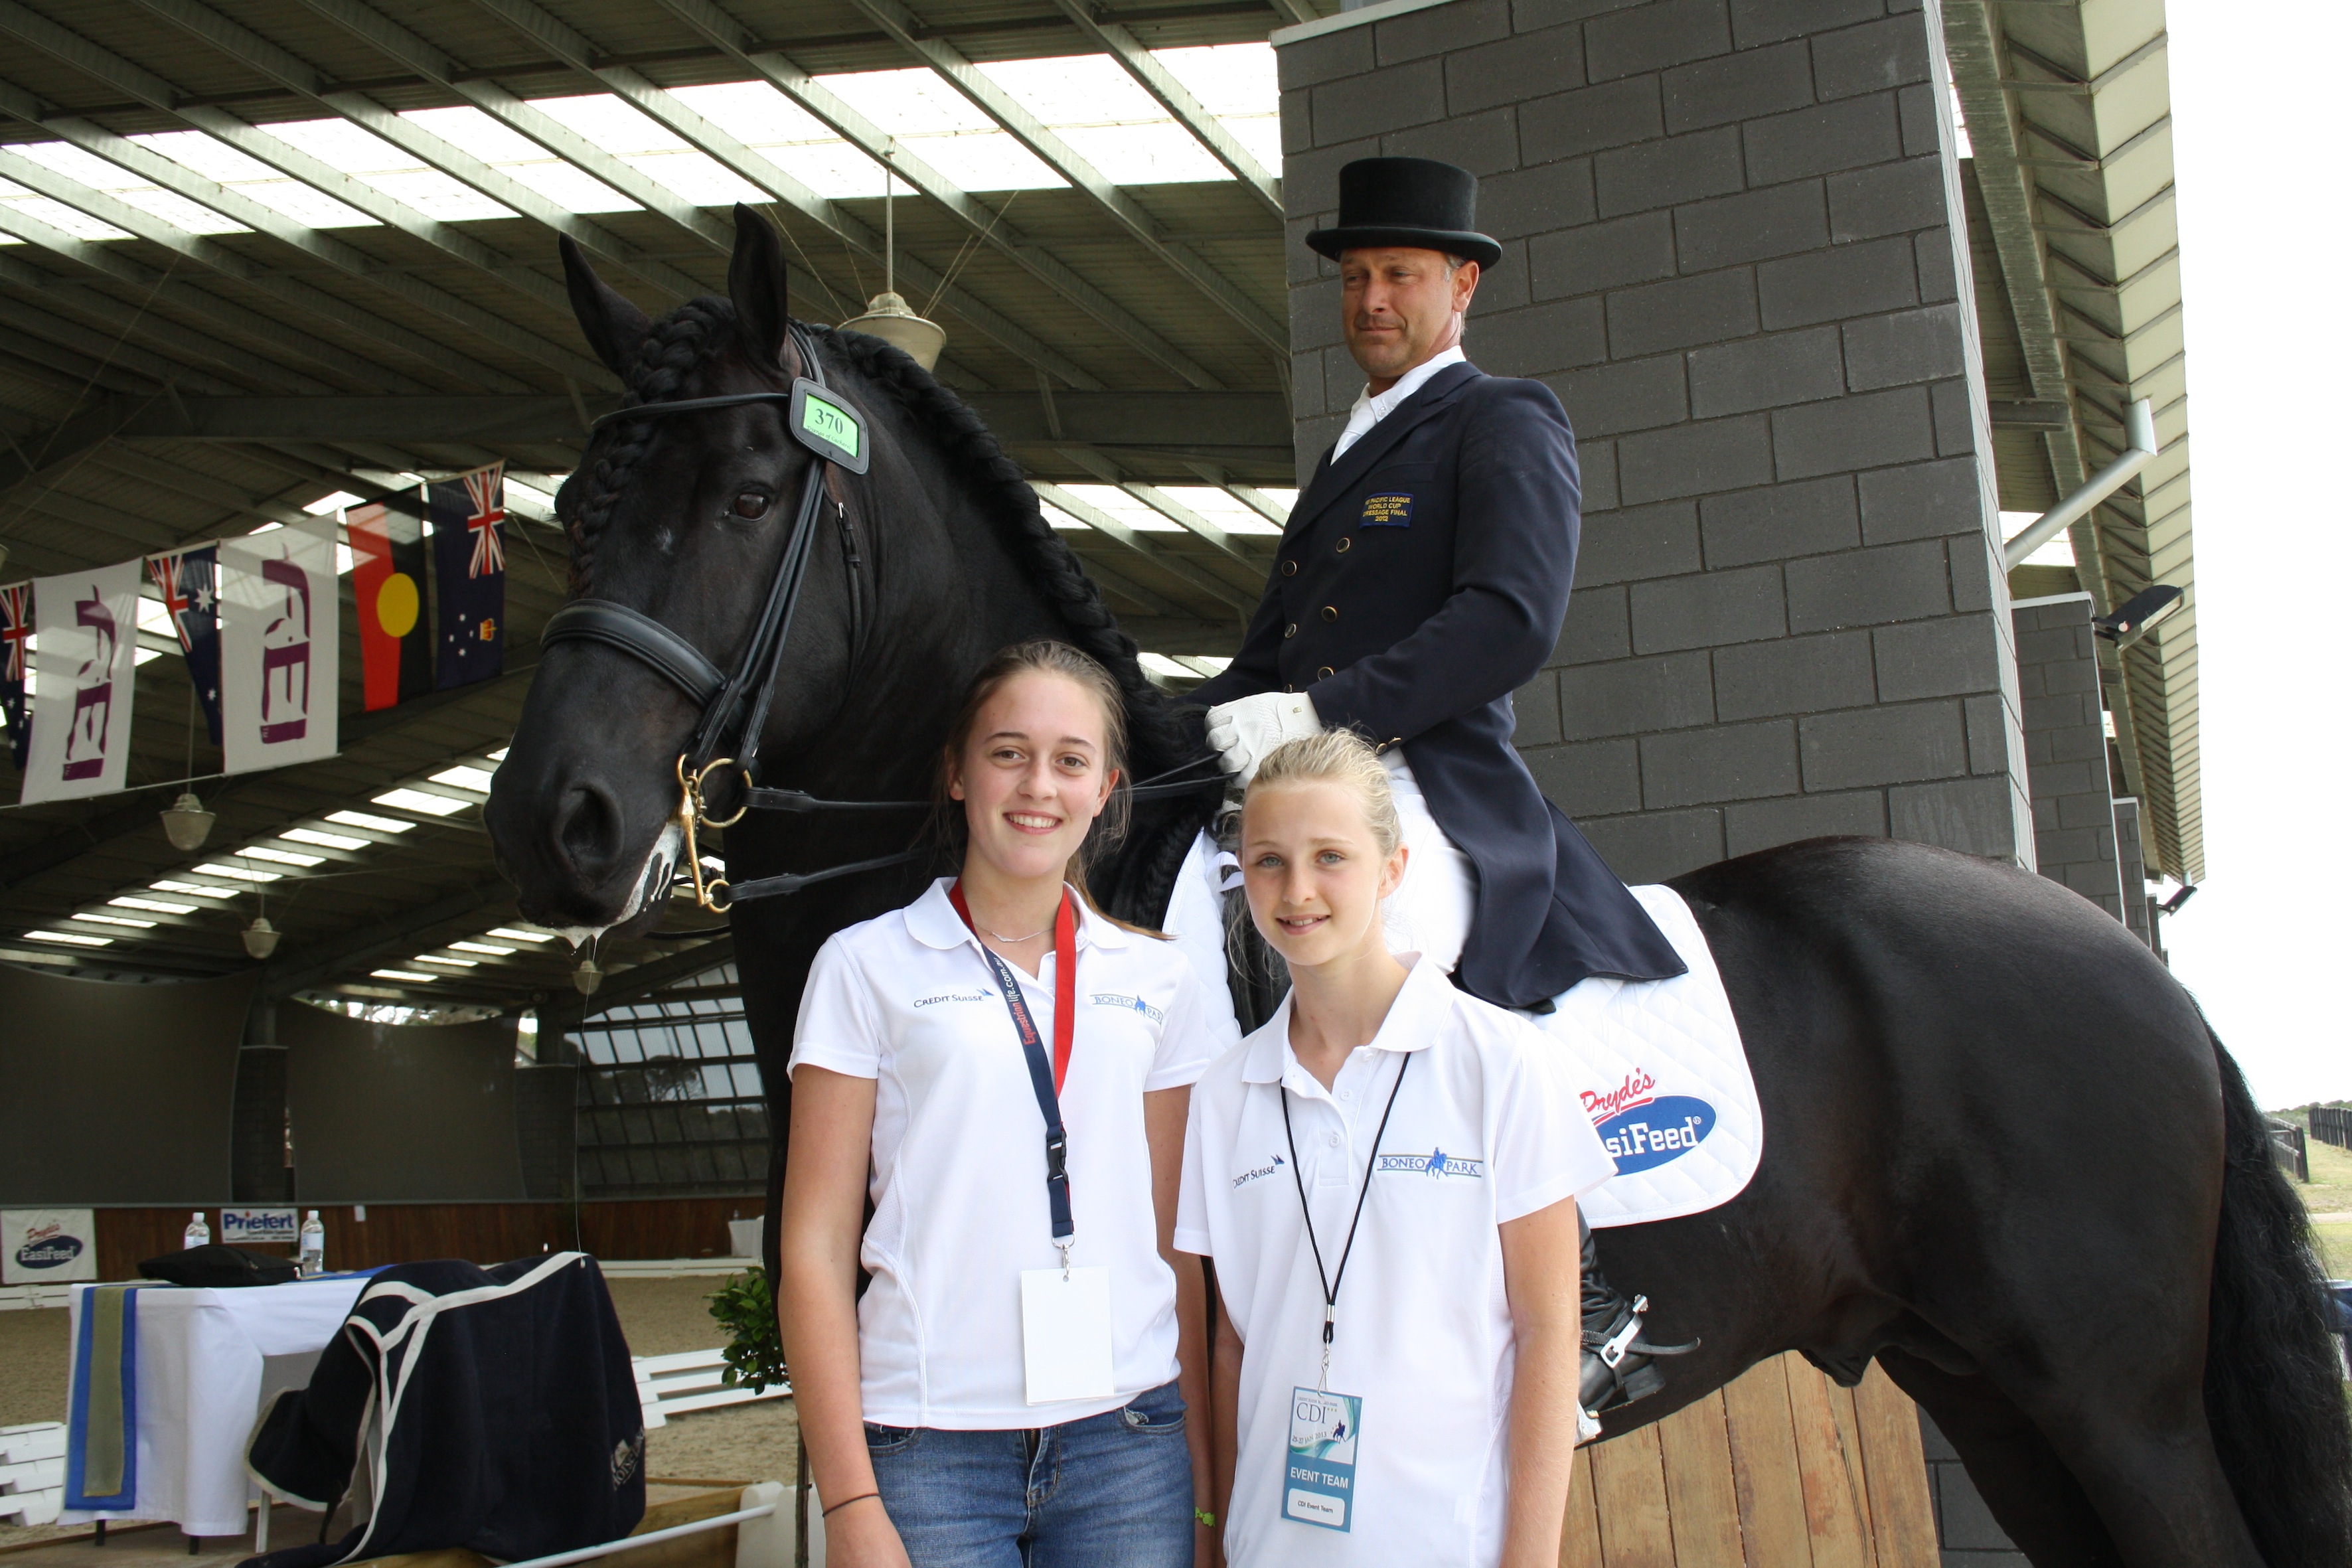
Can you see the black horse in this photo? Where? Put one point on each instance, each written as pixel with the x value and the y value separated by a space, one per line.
pixel 2004 1155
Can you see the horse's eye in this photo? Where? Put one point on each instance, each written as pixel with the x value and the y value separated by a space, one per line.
pixel 751 504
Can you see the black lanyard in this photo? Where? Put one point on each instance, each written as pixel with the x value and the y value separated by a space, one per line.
pixel 1330 1282
pixel 1043 1075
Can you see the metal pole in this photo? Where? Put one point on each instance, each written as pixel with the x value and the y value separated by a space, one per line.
pixel 2140 429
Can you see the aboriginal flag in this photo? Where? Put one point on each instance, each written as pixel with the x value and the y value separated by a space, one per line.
pixel 388 586
pixel 189 581
pixel 16 627
pixel 469 577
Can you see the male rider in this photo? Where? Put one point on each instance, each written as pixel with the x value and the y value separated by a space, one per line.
pixel 1421 579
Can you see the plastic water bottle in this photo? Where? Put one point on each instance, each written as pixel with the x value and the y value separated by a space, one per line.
pixel 314 1247
pixel 198 1233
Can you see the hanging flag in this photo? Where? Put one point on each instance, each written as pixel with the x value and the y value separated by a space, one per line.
pixel 16 630
pixel 189 581
pixel 469 575
pixel 278 630
pixel 87 624
pixel 388 586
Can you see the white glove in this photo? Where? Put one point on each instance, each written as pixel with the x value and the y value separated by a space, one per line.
pixel 1247 727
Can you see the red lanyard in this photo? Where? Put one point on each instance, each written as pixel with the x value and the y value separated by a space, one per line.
pixel 1065 974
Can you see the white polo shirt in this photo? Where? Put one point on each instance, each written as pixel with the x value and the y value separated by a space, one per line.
pixel 1484 1131
pixel 957 1180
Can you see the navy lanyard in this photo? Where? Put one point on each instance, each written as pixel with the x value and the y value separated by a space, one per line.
pixel 1330 1281
pixel 1044 1078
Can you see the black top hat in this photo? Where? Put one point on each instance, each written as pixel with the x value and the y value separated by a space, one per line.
pixel 1416 202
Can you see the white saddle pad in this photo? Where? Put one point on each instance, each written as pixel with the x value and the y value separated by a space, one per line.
pixel 1659 1062
pixel 1664 1075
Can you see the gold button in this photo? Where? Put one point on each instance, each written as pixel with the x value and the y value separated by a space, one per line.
pixel 1330 611
pixel 1291 630
pixel 1346 541
pixel 1324 673
pixel 1291 568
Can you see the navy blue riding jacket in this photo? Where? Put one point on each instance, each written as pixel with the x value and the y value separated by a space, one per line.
pixel 1421 579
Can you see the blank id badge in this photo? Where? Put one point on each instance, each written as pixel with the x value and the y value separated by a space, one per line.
pixel 1066 1334
pixel 1318 1483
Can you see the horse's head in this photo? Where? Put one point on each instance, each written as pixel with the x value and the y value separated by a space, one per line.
pixel 683 519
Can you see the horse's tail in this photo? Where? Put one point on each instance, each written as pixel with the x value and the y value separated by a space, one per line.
pixel 2273 1395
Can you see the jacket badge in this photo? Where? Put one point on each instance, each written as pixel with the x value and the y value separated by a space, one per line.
pixel 1388 511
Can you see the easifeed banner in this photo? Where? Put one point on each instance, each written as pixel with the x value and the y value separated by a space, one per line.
pixel 277 637
pixel 48 1246
pixel 88 642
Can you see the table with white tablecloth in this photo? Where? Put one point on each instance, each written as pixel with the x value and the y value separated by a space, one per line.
pixel 203 1358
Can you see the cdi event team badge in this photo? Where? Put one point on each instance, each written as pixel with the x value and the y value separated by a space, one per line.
pixel 1318 1485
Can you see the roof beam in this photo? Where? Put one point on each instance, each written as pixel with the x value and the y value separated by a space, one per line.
pixel 1177 99
pixel 249 49
pixel 667 110
pixel 397 935
pixel 152 89
pixel 1089 418
pixel 1176 567
pixel 953 67
pixel 862 133
pixel 219 259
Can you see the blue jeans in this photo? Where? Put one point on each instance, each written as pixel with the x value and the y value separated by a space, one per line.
pixel 1114 1491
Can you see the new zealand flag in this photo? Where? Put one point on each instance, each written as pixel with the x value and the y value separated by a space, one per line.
pixel 15 628
pixel 189 581
pixel 469 577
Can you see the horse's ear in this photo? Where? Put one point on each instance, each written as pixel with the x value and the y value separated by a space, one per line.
pixel 755 281
pixel 612 326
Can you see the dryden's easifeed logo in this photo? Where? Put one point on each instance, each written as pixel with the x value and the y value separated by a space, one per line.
pixel 48 1246
pixel 1641 1130
pixel 53 1249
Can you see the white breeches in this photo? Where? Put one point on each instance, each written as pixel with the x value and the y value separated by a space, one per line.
pixel 1429 913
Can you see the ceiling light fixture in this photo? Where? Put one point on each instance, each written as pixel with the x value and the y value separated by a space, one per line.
pixel 261 939
pixel 587 977
pixel 887 316
pixel 186 823
pixel 2138 613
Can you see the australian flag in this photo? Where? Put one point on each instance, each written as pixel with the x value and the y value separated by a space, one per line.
pixel 15 629
pixel 189 581
pixel 469 577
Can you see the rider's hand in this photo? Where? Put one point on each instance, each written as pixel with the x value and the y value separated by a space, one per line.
pixel 861 1536
pixel 1247 727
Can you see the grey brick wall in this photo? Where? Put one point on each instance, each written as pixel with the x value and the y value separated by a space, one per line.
pixel 1727 231
pixel 2066 749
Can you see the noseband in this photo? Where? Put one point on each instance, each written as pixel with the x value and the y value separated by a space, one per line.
pixel 736 705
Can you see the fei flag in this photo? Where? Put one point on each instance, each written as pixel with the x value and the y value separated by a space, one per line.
pixel 469 575
pixel 88 625
pixel 15 631
pixel 277 644
pixel 189 581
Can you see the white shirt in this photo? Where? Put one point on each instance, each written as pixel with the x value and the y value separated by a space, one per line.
pixel 957 1180
pixel 1484 1131
pixel 1370 410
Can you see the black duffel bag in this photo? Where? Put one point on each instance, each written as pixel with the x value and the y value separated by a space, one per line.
pixel 215 1266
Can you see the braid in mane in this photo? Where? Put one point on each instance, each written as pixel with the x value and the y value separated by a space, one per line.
pixel 1162 733
pixel 678 343
pixel 1156 724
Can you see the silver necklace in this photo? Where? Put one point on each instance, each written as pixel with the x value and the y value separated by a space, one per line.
pixel 1033 936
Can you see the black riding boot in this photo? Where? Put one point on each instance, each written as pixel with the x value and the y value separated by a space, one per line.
pixel 1617 1369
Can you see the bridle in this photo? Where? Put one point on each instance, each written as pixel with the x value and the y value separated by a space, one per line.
pixel 735 705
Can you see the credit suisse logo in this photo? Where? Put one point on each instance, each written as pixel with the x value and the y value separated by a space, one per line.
pixel 1643 1130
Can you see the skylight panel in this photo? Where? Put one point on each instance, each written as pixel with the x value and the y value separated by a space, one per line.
pixel 1281 497
pixel 365 156
pixel 1156 153
pixel 89 168
pixel 567 187
pixel 1230 80
pixel 452 962
pixel 939 125
pixel 154 617
pixel 238 873
pixel 1057 517
pixel 218 161
pixel 467 778
pixel 512 934
pixel 157 906
pixel 282 857
pixel 409 975
pixel 1108 118
pixel 65 219
pixel 1160 663
pixel 363 819
pixel 71 938
pixel 1125 508
pixel 1228 511
pixel 697 178
pixel 612 125
pixel 330 840
pixel 493 949
pixel 753 112
pixel 417 801
pixel 469 130
pixel 834 170
pixel 993 161
pixel 116 920
pixel 171 885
